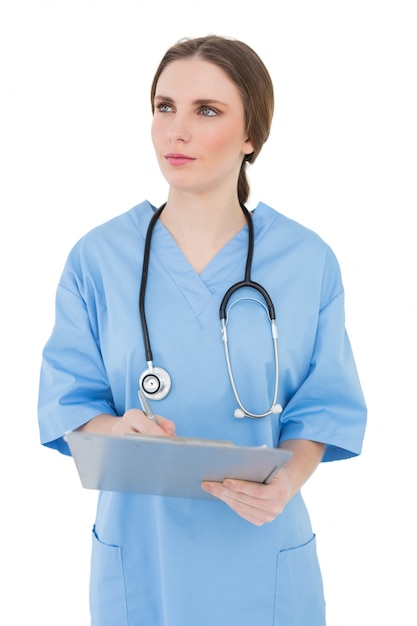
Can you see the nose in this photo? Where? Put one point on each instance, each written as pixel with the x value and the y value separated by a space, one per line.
pixel 179 129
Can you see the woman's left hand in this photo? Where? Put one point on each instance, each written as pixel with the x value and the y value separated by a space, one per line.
pixel 255 502
pixel 258 503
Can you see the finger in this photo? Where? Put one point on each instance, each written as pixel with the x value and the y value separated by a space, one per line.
pixel 159 426
pixel 135 421
pixel 240 489
pixel 270 499
pixel 248 488
pixel 167 425
pixel 232 496
pixel 248 511
pixel 252 508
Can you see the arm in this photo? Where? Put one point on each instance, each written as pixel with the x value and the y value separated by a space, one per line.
pixel 258 503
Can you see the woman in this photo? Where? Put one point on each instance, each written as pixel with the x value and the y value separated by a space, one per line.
pixel 249 555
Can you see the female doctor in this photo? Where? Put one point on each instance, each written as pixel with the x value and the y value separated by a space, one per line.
pixel 247 555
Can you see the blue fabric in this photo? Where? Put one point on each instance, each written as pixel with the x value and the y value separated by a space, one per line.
pixel 178 562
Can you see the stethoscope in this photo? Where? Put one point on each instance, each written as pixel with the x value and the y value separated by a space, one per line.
pixel 155 382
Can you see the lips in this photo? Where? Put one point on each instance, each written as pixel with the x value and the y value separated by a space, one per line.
pixel 174 158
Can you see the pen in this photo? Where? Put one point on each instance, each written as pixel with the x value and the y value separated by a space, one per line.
pixel 145 406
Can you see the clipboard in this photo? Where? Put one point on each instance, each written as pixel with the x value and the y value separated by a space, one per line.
pixel 167 466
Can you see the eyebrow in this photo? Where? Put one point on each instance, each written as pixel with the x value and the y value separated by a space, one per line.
pixel 199 101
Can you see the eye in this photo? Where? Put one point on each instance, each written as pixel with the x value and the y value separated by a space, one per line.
pixel 163 107
pixel 208 111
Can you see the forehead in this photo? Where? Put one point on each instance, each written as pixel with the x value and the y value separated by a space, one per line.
pixel 194 78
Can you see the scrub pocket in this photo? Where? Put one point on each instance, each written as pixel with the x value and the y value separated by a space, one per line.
pixel 107 588
pixel 299 598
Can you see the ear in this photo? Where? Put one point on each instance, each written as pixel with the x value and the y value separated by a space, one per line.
pixel 247 147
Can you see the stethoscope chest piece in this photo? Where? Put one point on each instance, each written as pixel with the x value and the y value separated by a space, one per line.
pixel 155 383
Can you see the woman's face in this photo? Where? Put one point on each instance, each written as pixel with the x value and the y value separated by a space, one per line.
pixel 198 127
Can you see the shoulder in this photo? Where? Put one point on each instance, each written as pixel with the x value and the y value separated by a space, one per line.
pixel 106 249
pixel 128 228
pixel 270 222
pixel 134 221
pixel 297 249
pixel 287 236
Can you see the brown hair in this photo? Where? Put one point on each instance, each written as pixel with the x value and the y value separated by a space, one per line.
pixel 245 68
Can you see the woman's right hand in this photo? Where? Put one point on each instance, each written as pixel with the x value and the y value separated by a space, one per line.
pixel 135 421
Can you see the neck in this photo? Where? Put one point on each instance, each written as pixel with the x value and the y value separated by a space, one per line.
pixel 201 227
pixel 211 212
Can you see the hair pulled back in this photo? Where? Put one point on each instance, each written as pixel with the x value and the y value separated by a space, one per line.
pixel 248 72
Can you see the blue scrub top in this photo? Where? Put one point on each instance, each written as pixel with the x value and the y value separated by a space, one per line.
pixel 179 562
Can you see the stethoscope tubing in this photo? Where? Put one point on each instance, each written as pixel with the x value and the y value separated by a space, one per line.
pixel 248 282
pixel 144 280
pixel 160 377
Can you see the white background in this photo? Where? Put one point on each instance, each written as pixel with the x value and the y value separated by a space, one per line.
pixel 76 151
